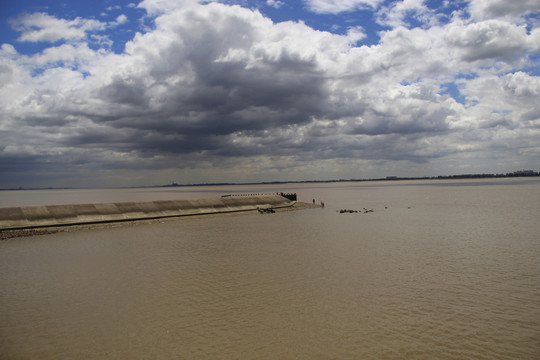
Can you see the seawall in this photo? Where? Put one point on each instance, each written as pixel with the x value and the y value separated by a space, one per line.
pixel 28 217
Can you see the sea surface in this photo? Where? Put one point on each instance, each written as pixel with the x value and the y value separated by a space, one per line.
pixel 440 269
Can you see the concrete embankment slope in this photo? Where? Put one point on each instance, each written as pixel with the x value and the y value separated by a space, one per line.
pixel 63 215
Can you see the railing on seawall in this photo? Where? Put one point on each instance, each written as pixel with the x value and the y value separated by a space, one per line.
pixel 289 196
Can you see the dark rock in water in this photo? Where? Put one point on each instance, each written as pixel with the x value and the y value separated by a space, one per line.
pixel 349 211
pixel 266 211
pixel 342 211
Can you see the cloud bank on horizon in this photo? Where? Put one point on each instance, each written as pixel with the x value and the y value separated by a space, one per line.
pixel 120 93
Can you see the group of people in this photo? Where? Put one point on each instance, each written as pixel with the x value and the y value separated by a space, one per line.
pixel 322 203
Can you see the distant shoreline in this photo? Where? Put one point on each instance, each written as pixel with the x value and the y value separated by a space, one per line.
pixel 515 174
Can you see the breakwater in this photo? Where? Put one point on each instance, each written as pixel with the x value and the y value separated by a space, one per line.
pixel 27 217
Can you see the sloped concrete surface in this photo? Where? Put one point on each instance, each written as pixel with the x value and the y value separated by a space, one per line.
pixel 64 215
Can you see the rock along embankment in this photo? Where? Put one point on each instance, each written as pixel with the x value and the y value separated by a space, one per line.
pixel 28 217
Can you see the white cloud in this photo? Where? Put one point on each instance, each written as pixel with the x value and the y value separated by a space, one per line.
pixel 397 13
pixel 156 7
pixel 356 34
pixel 120 19
pixel 274 3
pixel 534 40
pixel 338 6
pixel 37 27
pixel 510 98
pixel 487 39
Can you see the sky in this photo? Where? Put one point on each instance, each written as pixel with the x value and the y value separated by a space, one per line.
pixel 111 93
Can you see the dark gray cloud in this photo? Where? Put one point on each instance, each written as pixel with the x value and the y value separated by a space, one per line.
pixel 501 8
